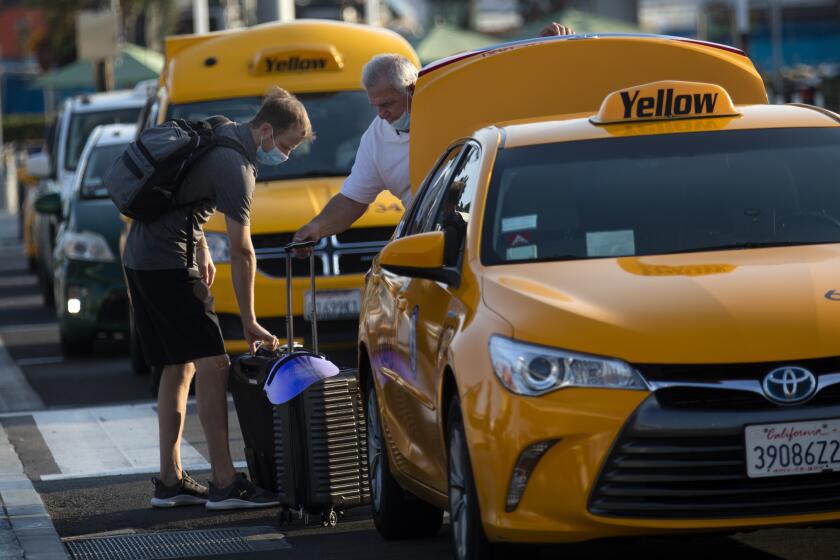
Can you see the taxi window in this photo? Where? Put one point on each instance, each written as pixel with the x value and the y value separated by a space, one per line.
pixel 423 211
pixel 453 213
pixel 82 124
pixel 663 194
pixel 338 119
pixel 98 163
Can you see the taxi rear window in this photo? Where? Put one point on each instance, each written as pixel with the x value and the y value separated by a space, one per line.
pixel 664 194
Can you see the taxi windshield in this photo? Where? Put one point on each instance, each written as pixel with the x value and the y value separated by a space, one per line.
pixel 98 163
pixel 661 194
pixel 338 119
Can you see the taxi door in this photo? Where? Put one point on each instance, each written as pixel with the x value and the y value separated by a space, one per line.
pixel 423 321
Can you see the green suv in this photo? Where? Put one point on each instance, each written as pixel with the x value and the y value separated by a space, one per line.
pixel 89 286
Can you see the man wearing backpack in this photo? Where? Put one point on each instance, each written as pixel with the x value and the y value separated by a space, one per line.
pixel 173 307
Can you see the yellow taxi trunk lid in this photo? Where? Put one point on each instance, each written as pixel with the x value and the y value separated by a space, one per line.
pixel 722 307
pixel 559 76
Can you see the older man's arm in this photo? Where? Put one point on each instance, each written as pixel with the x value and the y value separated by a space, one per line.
pixel 337 216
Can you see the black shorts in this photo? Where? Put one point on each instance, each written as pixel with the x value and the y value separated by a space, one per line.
pixel 173 316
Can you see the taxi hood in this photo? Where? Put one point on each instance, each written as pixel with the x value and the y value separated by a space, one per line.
pixel 558 76
pixel 285 206
pixel 722 307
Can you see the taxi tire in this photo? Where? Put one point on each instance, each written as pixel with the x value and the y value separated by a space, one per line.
pixel 400 515
pixel 474 544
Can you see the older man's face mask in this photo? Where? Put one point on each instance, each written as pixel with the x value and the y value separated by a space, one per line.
pixel 402 123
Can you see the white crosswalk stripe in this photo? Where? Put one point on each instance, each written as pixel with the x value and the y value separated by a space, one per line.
pixel 108 441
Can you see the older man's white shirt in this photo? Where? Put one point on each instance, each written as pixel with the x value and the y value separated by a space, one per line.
pixel 381 163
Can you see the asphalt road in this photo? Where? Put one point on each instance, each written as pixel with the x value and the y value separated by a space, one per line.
pixel 89 456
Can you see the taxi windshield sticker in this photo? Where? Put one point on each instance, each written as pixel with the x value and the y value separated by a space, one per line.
pixel 665 100
pixel 296 59
pixel 610 243
pixel 519 223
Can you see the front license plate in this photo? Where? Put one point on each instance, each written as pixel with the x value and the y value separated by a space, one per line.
pixel 334 305
pixel 793 448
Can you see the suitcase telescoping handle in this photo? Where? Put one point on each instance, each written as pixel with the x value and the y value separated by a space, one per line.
pixel 291 247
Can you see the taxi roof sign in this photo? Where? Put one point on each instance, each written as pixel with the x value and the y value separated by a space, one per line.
pixel 297 58
pixel 665 100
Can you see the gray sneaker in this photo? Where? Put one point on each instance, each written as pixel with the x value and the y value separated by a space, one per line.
pixel 185 492
pixel 241 494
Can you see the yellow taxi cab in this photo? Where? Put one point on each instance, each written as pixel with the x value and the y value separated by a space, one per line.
pixel 613 309
pixel 227 73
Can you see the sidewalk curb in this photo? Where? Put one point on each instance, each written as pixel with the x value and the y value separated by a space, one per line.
pixel 26 530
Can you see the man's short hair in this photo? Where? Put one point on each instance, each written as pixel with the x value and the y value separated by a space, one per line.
pixel 395 69
pixel 282 110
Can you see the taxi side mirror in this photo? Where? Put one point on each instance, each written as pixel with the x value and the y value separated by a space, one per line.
pixel 418 256
pixel 38 165
pixel 49 203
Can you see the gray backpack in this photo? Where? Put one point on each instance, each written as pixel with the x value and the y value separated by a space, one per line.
pixel 144 180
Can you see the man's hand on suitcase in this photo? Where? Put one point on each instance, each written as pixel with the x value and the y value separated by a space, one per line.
pixel 309 232
pixel 258 337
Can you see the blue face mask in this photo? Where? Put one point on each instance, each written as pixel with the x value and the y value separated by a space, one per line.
pixel 272 157
pixel 402 123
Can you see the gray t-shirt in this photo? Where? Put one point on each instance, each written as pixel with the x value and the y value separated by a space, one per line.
pixel 223 179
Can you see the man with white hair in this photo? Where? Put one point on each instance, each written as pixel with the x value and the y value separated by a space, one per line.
pixel 382 159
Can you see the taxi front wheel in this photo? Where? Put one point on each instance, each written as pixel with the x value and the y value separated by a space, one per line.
pixel 396 513
pixel 464 513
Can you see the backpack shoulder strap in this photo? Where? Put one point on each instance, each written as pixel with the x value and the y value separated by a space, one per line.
pixel 224 141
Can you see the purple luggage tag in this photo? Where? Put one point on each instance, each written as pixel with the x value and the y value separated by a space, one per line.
pixel 291 375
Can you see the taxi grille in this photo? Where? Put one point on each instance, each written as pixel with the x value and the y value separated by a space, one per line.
pixel 353 263
pixel 701 477
pixel 355 236
pixel 349 252
pixel 692 398
pixel 276 267
pixel 702 373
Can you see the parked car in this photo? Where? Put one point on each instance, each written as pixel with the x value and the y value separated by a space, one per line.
pixel 76 119
pixel 90 291
pixel 614 316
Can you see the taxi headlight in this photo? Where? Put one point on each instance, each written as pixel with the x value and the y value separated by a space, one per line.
pixel 528 369
pixel 86 246
pixel 219 245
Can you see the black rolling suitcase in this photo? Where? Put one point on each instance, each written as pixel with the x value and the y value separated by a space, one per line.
pixel 311 449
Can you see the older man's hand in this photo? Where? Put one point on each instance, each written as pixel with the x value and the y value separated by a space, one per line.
pixel 309 232
pixel 554 28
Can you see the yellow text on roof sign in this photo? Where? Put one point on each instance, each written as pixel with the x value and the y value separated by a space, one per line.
pixel 296 58
pixel 665 100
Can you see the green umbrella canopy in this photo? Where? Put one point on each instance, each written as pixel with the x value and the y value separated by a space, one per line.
pixel 444 40
pixel 132 65
pixel 581 22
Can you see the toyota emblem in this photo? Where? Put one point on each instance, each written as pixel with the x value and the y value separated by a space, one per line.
pixel 789 385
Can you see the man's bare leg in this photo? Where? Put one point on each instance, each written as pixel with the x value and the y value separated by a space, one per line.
pixel 211 394
pixel 172 411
